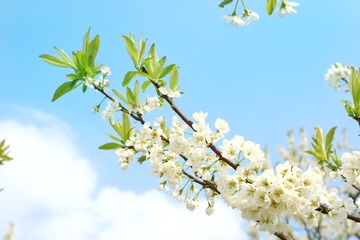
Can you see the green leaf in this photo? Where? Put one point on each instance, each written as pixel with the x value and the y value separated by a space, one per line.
pixel 166 70
pixel 55 60
pixel 126 121
pixel 82 59
pixel 329 137
pixel 115 138
pixel 158 67
pixel 144 62
pixel 86 40
pixel 225 2
pixel 174 78
pixel 110 146
pixel 332 167
pixel 64 88
pixel 117 93
pixel 73 76
pixel 354 86
pixel 136 91
pixel 145 85
pixel 127 79
pixel 141 52
pixel 142 159
pixel 65 56
pixel 93 47
pixel 337 159
pixel 270 6
pixel 84 88
pixel 150 65
pixel 347 103
pixel 131 49
pixel 130 95
pixel 146 75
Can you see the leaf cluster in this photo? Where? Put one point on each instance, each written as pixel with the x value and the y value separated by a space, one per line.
pixel 321 149
pixel 124 130
pixel 151 67
pixel 82 62
pixel 353 109
pixel 4 153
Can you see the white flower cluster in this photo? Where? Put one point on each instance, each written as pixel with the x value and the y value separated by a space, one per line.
pixel 336 73
pixel 102 82
pixel 152 103
pixel 243 19
pixel 268 197
pixel 263 198
pixel 350 168
pixel 165 162
pixel 110 110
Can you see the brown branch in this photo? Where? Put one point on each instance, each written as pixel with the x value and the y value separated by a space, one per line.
pixel 325 210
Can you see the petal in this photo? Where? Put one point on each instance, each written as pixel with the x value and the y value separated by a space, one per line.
pixel 291 10
pixel 254 16
pixel 293 4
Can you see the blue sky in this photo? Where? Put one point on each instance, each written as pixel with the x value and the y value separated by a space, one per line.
pixel 262 79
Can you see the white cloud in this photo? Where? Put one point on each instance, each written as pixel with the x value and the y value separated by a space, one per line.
pixel 51 193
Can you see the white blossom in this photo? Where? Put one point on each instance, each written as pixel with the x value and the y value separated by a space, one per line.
pixel 106 71
pixel 285 9
pixel 232 20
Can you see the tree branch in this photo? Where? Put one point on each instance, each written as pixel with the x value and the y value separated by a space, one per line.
pixel 325 210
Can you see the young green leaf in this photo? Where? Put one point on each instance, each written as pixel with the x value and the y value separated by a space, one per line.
pixel 159 67
pixel 354 87
pixel 130 95
pixel 174 78
pixel 131 49
pixel 145 85
pixel 142 159
pixel 73 76
pixel 65 56
pixel 115 138
pixel 136 91
pixel 84 88
pixel 64 88
pixel 110 146
pixel 86 41
pixel 144 62
pixel 225 2
pixel 127 79
pixel 150 65
pixel 270 6
pixel 329 137
pixel 93 47
pixel 141 52
pixel 166 70
pixel 126 122
pixel 117 93
pixel 55 60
